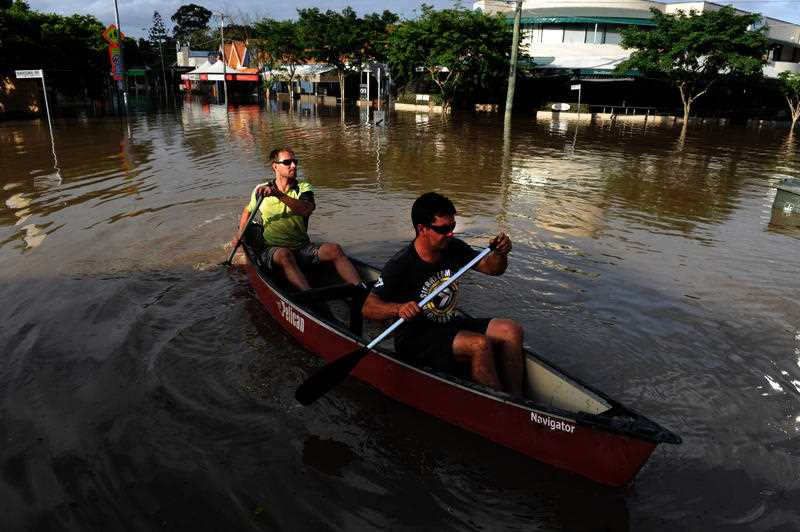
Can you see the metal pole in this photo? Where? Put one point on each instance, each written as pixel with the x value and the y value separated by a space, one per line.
pixel 580 88
pixel 163 71
pixel 224 59
pixel 512 67
pixel 122 59
pixel 49 124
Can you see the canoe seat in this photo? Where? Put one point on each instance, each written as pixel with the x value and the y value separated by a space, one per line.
pixel 345 291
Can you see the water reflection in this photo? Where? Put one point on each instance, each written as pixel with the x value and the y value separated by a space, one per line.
pixel 660 276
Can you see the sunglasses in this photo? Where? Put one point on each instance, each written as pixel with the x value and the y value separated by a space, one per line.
pixel 443 229
pixel 288 162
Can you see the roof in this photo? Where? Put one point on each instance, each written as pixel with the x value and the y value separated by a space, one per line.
pixel 235 54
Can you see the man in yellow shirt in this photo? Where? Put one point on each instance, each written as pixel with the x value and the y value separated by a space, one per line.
pixel 285 210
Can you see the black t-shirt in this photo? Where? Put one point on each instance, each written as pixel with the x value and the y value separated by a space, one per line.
pixel 406 277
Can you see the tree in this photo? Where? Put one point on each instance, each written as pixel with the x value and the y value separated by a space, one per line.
pixel 331 38
pixel 695 51
pixel 278 41
pixel 790 86
pixel 191 22
pixel 157 33
pixel 374 31
pixel 459 49
pixel 157 38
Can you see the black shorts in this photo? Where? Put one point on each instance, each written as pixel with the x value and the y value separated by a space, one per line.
pixel 432 345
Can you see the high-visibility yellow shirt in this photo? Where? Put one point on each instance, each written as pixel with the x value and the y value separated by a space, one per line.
pixel 282 227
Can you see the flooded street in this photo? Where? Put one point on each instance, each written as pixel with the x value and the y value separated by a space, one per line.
pixel 143 386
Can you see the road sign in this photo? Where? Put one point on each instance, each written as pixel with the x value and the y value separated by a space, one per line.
pixel 22 74
pixel 575 87
pixel 364 91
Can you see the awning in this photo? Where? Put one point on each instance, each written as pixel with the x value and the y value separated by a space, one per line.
pixel 573 62
pixel 589 20
pixel 315 73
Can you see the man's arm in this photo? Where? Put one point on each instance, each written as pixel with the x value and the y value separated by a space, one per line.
pixel 495 263
pixel 376 308
pixel 243 219
pixel 300 206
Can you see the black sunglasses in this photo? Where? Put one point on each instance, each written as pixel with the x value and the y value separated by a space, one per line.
pixel 288 162
pixel 443 229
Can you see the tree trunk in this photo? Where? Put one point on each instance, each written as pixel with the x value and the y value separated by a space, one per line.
pixel 794 108
pixel 687 107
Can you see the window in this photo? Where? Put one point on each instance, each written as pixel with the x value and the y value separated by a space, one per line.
pixel 594 34
pixel 575 33
pixel 552 33
pixel 612 34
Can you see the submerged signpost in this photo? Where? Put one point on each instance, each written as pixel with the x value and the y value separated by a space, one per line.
pixel 39 73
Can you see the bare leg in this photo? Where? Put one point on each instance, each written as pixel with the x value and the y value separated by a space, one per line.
pixel 330 252
pixel 506 335
pixel 476 349
pixel 284 258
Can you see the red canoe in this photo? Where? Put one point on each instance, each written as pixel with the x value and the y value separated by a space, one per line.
pixel 561 421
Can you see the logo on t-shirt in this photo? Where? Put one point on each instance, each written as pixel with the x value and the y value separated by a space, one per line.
pixel 441 308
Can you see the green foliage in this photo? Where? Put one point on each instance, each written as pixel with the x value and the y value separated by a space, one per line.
pixel 343 40
pixel 74 44
pixel 459 49
pixel 330 37
pixel 789 83
pixel 278 42
pixel 157 33
pixel 190 19
pixel 695 50
pixel 374 31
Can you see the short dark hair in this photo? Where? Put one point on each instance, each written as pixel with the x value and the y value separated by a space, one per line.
pixel 429 206
pixel 273 155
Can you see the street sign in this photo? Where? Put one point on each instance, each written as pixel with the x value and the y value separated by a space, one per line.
pixel 363 92
pixel 575 87
pixel 22 74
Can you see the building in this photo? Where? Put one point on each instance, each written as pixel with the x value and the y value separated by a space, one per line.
pixel 204 71
pixel 584 35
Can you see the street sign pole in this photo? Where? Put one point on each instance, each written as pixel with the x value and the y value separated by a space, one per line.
pixel 32 74
pixel 122 59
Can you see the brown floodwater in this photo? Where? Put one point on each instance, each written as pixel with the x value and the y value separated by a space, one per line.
pixel 142 386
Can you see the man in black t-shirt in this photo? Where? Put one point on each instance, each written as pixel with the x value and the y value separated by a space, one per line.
pixel 437 335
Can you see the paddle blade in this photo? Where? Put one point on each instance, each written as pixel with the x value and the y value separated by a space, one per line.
pixel 328 376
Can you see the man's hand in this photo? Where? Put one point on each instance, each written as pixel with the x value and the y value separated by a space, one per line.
pixel 268 190
pixel 501 244
pixel 409 311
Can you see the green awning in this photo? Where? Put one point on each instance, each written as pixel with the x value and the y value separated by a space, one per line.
pixel 588 20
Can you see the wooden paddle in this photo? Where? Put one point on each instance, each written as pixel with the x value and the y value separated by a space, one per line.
pixel 335 372
pixel 241 234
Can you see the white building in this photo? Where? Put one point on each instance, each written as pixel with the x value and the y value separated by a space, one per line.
pixel 584 35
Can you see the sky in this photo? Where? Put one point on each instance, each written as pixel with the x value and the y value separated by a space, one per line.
pixel 137 15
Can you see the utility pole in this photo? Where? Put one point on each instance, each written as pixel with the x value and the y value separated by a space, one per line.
pixel 122 57
pixel 163 70
pixel 224 62
pixel 512 68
